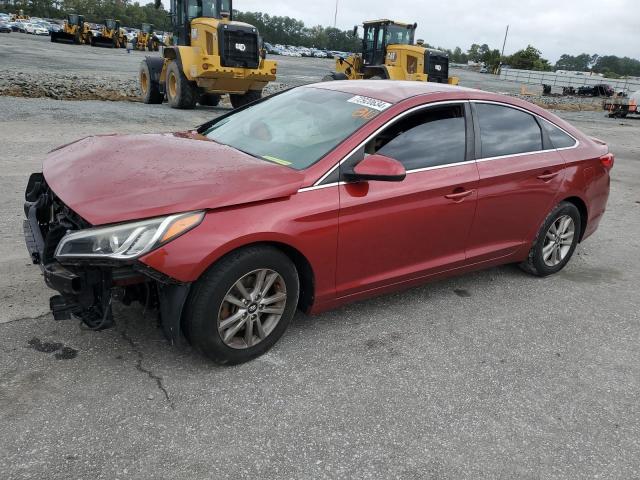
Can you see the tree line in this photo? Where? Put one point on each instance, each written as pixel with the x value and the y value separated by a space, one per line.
pixel 530 58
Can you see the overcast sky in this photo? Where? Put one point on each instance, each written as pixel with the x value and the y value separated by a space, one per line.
pixel 553 26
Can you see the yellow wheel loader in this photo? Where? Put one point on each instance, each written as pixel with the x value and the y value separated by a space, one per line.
pixel 210 55
pixel 74 30
pixel 388 52
pixel 111 35
pixel 146 39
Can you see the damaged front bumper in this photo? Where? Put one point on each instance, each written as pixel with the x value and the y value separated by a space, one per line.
pixel 86 289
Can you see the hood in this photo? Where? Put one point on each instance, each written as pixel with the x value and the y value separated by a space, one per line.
pixel 115 178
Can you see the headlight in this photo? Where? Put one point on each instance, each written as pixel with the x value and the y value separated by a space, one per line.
pixel 127 240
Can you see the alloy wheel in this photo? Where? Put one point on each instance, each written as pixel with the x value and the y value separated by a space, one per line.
pixel 252 308
pixel 558 240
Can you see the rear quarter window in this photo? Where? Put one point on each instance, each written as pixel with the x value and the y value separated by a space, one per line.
pixel 558 138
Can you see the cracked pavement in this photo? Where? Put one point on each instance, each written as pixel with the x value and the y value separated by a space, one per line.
pixel 494 374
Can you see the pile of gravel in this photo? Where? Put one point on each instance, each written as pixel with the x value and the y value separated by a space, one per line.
pixel 567 103
pixel 74 87
pixel 67 87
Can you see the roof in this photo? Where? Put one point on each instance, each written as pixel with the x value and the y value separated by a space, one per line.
pixel 386 20
pixel 392 91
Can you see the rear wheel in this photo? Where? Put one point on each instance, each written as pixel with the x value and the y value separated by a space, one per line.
pixel 181 93
pixel 241 306
pixel 555 242
pixel 238 100
pixel 149 88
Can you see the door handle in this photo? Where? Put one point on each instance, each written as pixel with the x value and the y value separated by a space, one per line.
pixel 547 176
pixel 459 196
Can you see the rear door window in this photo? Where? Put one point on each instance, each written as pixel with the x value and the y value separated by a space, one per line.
pixel 507 131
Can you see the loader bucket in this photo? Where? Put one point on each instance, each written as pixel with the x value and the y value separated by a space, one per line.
pixel 103 42
pixel 63 37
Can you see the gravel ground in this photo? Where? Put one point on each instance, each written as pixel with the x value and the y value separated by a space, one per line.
pixel 492 375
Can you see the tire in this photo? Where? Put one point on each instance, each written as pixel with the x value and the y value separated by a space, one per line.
pixel 149 88
pixel 209 99
pixel 535 263
pixel 238 101
pixel 181 93
pixel 376 77
pixel 208 295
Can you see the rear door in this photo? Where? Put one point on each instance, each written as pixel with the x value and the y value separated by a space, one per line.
pixel 390 232
pixel 520 175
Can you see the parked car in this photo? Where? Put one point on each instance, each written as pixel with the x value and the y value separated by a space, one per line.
pixel 19 26
pixel 311 198
pixel 36 29
pixel 5 28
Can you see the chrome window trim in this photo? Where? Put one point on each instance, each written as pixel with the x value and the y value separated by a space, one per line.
pixel 317 186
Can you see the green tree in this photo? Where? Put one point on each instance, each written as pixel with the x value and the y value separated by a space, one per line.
pixel 529 59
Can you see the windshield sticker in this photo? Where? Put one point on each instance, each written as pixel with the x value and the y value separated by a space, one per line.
pixel 370 102
pixel 276 160
pixel 364 112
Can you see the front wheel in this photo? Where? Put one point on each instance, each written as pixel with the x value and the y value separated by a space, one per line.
pixel 238 100
pixel 242 305
pixel 181 93
pixel 555 242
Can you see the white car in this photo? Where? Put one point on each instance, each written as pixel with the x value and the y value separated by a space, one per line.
pixel 35 29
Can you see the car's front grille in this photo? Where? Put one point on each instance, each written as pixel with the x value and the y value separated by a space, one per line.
pixel 240 48
pixel 51 217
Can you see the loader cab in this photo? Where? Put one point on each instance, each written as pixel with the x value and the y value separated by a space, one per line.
pixel 186 10
pixel 112 25
pixel 380 33
pixel 147 28
pixel 74 19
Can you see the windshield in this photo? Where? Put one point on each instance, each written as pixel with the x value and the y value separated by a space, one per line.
pixel 397 35
pixel 298 127
pixel 207 8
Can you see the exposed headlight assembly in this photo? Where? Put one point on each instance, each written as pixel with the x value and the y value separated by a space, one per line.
pixel 126 241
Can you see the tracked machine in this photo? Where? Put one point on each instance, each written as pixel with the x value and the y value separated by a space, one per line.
pixel 210 55
pixel 389 52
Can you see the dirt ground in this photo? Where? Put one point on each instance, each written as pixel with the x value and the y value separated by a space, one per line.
pixel 494 374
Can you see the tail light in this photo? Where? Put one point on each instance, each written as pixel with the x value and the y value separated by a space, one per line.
pixel 607 161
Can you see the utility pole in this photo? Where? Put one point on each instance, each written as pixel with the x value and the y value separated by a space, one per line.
pixel 502 53
pixel 335 15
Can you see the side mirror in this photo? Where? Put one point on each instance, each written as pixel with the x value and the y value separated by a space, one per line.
pixel 377 167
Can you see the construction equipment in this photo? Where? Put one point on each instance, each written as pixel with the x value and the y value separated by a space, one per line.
pixel 146 39
pixel 74 30
pixel 111 35
pixel 388 52
pixel 210 55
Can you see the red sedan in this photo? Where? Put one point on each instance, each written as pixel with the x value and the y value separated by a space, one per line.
pixel 309 199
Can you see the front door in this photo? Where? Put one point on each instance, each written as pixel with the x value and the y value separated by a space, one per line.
pixel 390 232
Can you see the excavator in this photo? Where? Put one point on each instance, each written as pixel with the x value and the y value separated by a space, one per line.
pixel 210 55
pixel 146 39
pixel 111 35
pixel 74 30
pixel 389 52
